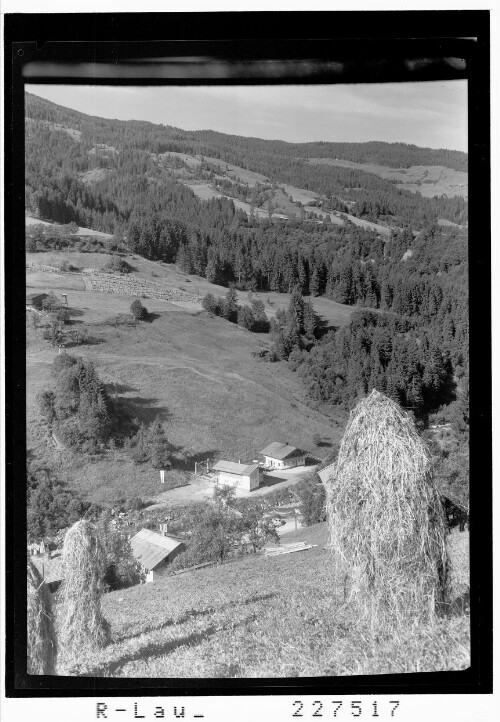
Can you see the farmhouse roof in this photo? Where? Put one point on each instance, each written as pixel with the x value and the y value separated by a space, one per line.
pixel 150 548
pixel 276 450
pixel 30 297
pixel 51 568
pixel 232 467
pixel 324 474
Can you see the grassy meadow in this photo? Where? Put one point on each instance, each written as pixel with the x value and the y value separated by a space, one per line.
pixel 263 617
pixel 429 180
pixel 197 373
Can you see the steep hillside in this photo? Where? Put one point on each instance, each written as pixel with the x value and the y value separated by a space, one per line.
pixel 429 180
pixel 197 373
pixel 96 150
pixel 262 617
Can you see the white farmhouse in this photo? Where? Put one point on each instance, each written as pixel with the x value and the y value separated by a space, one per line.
pixel 241 476
pixel 283 456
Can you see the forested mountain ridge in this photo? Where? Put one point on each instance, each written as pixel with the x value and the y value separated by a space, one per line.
pixel 395 155
pixel 97 142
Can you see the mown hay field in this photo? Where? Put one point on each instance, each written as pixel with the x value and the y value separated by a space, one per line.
pixel 169 277
pixel 47 282
pixel 262 617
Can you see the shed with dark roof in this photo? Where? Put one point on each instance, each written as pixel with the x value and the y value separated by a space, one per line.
pixel 155 552
pixel 35 300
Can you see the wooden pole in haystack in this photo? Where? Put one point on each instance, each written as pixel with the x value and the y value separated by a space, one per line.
pixel 41 635
pixel 386 521
pixel 82 627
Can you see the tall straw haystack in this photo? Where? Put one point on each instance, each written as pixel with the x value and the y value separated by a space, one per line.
pixel 82 627
pixel 41 636
pixel 387 527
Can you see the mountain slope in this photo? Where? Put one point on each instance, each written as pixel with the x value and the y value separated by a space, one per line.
pixel 262 617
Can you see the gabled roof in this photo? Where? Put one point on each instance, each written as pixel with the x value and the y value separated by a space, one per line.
pixel 324 474
pixel 276 450
pixel 150 548
pixel 232 467
pixel 50 569
pixel 33 296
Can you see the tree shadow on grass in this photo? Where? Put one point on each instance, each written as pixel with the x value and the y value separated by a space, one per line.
pixel 73 312
pixel 130 411
pixel 193 614
pixel 143 409
pixel 152 317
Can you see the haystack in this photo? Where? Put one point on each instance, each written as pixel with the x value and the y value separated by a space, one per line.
pixel 387 527
pixel 82 627
pixel 41 636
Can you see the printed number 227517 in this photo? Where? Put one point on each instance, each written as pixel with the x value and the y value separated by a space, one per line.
pixel 339 708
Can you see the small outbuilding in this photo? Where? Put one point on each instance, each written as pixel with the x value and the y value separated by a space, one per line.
pixel 283 456
pixel 241 476
pixel 154 552
pixel 35 300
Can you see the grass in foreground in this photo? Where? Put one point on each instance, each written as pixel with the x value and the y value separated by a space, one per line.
pixel 262 617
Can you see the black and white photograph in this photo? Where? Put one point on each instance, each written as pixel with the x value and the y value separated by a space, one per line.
pixel 247 369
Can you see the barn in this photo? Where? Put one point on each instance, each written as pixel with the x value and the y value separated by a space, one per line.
pixel 35 300
pixel 154 552
pixel 241 476
pixel 282 456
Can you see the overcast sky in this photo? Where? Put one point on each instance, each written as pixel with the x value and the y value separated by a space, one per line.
pixel 427 114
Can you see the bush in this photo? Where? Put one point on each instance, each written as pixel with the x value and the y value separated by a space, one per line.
pixel 246 318
pixel 149 445
pixel 211 304
pixel 66 266
pixel 118 265
pixel 61 362
pixel 261 324
pixel 62 314
pixel 138 311
pixel 51 507
pixel 51 303
pixel 31 244
pixel 312 500
pixel 295 359
pixel 80 336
